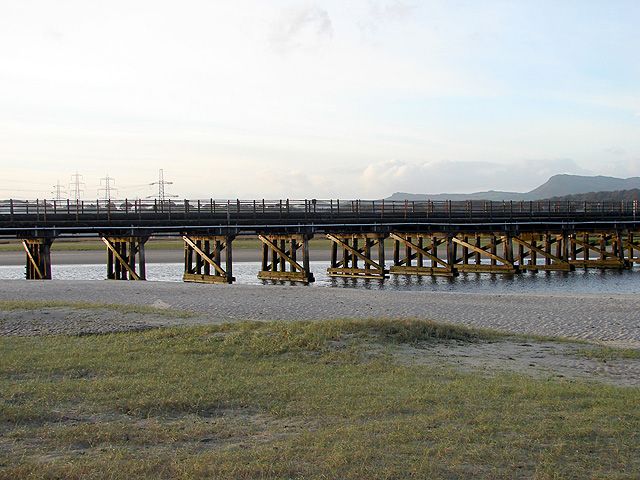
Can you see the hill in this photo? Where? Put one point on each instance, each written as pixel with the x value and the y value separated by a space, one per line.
pixel 557 186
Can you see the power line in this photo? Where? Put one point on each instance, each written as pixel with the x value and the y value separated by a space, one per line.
pixel 162 195
pixel 107 187
pixel 76 186
pixel 59 192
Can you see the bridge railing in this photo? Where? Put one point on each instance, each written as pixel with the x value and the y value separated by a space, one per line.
pixel 44 210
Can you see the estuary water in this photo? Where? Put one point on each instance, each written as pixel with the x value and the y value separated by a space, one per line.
pixel 581 281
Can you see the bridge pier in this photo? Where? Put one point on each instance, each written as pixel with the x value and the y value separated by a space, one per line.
pixel 560 261
pixel 633 244
pixel 427 261
pixel 608 248
pixel 280 258
pixel 352 253
pixel 484 246
pixel 203 259
pixel 38 252
pixel 121 257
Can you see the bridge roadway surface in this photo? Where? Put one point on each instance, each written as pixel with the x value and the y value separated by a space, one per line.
pixel 600 317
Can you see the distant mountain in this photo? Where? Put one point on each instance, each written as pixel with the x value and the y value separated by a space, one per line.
pixel 556 186
pixel 560 185
pixel 615 196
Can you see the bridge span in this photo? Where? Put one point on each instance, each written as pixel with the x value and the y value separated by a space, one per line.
pixel 429 238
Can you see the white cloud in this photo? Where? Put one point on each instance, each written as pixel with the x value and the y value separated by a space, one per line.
pixel 461 176
pixel 301 28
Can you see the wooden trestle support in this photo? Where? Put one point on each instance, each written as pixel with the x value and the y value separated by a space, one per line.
pixel 280 258
pixel 532 246
pixel 121 258
pixel 38 252
pixel 203 259
pixel 607 247
pixel 446 254
pixel 633 244
pixel 346 265
pixel 423 248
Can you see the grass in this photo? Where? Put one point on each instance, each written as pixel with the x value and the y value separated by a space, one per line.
pixel 140 309
pixel 609 353
pixel 153 244
pixel 297 400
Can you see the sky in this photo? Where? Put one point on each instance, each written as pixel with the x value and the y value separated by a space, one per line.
pixel 315 99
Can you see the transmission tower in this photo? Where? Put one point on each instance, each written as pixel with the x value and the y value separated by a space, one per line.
pixel 76 186
pixel 161 183
pixel 107 187
pixel 59 192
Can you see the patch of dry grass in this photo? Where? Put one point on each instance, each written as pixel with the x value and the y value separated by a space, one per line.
pixel 296 400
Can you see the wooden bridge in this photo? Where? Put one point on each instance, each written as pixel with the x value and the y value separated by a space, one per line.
pixel 429 238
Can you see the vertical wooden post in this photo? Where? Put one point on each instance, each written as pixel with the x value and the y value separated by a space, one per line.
pixel 229 258
pixel 547 248
pixel 407 252
pixel 334 255
pixel 396 252
pixel 465 251
pixel 142 262
pixel 494 249
pixel 533 255
pixel 265 257
pixel 306 264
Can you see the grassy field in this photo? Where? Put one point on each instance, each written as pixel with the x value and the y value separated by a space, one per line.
pixel 153 244
pixel 297 400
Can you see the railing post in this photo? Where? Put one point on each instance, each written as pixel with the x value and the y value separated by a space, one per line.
pixel 11 208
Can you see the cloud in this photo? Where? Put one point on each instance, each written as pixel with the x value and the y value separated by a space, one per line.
pixel 462 176
pixel 301 28
pixel 391 10
pixel 615 151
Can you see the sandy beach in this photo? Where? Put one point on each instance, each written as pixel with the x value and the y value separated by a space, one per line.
pixel 614 319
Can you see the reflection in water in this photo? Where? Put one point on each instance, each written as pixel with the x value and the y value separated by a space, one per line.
pixel 580 281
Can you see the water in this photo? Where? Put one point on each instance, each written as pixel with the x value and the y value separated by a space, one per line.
pixel 580 281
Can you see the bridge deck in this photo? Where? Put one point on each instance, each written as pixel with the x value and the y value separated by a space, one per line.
pixel 60 218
